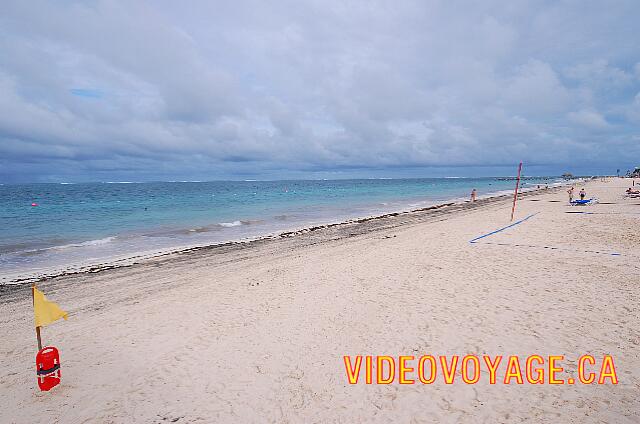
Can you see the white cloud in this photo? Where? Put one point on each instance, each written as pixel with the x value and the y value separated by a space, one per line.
pixel 633 110
pixel 600 73
pixel 536 90
pixel 588 118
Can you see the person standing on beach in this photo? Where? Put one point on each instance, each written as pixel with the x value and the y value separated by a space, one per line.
pixel 570 191
pixel 582 194
pixel 474 195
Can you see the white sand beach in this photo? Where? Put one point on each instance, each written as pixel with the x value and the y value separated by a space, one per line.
pixel 257 332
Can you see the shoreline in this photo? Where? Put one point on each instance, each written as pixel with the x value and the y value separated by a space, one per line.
pixel 139 259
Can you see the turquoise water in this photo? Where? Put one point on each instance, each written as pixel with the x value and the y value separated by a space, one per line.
pixel 78 224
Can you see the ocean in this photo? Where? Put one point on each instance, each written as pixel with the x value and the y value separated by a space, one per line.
pixel 49 228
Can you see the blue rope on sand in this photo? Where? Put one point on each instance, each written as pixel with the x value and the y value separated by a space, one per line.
pixel 504 228
pixel 602 213
pixel 475 240
pixel 555 248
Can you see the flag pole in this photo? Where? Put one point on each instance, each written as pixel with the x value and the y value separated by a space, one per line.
pixel 33 297
pixel 515 194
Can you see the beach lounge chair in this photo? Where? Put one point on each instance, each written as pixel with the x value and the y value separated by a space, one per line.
pixel 583 202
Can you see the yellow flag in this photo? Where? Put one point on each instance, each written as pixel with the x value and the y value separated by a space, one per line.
pixel 45 312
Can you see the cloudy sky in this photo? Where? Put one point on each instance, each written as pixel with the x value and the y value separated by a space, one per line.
pixel 108 90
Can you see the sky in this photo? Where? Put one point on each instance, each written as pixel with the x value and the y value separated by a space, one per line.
pixel 204 90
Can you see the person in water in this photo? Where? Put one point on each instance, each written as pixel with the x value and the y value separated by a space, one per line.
pixel 474 195
pixel 582 194
pixel 570 191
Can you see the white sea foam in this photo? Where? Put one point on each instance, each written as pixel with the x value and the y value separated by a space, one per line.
pixel 231 224
pixel 87 243
pixel 96 242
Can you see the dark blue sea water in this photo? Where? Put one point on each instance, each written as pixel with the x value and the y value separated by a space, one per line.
pixel 79 224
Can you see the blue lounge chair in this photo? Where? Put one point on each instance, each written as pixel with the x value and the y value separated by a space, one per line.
pixel 583 202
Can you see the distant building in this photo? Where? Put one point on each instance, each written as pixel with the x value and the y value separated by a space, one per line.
pixel 635 173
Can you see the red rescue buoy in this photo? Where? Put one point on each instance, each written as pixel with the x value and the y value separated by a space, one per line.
pixel 48 368
pixel 34 204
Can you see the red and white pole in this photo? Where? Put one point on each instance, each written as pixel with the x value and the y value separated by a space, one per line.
pixel 515 195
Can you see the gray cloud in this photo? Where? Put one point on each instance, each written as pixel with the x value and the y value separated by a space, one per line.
pixel 164 89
